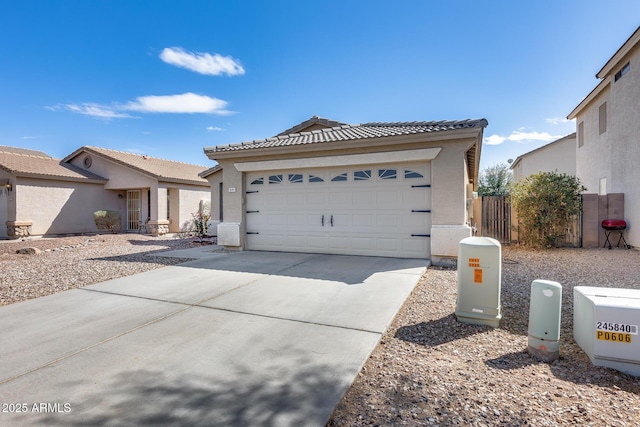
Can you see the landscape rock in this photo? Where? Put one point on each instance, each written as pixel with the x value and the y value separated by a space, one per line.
pixel 28 251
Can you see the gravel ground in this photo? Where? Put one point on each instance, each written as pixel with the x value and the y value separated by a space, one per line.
pixel 431 370
pixel 73 262
pixel 428 369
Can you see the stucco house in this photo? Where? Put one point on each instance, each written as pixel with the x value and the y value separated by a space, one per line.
pixel 41 195
pixel 608 134
pixel 557 156
pixel 378 189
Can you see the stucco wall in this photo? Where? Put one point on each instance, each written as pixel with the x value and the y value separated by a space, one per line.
pixel 593 159
pixel 557 156
pixel 119 176
pixel 58 207
pixel 4 197
pixel 189 204
pixel 615 154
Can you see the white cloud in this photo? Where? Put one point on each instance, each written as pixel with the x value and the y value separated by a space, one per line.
pixel 214 128
pixel 557 120
pixel 93 110
pixel 184 103
pixel 203 63
pixel 521 137
pixel 494 140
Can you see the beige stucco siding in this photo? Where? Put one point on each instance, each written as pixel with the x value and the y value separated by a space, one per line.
pixel 614 155
pixel 58 207
pixel 449 185
pixel 119 176
pixel 559 156
pixel 4 201
pixel 593 159
pixel 189 200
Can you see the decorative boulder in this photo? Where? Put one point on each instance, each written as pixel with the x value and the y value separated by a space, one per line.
pixel 107 220
pixel 28 251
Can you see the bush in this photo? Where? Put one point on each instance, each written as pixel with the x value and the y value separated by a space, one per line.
pixel 106 220
pixel 546 202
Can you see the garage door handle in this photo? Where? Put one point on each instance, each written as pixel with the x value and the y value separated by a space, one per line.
pixel 332 220
pixel 323 220
pixel 421 186
pixel 421 210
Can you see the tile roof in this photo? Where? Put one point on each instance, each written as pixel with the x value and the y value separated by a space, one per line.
pixel 36 163
pixel 165 170
pixel 17 150
pixel 351 132
pixel 313 121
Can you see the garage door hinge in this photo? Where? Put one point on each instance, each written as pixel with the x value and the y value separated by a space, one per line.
pixel 252 232
pixel 421 210
pixel 256 191
pixel 421 235
pixel 253 211
pixel 421 186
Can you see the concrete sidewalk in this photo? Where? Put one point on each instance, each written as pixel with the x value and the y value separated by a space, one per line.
pixel 248 338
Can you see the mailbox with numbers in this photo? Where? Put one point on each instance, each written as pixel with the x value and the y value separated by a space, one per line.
pixel 479 281
pixel 605 326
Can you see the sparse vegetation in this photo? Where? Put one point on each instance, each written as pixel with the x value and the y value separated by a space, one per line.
pixel 546 202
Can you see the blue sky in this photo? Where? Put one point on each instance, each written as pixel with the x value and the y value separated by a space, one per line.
pixel 167 78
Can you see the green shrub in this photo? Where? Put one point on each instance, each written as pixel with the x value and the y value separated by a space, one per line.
pixel 106 220
pixel 546 202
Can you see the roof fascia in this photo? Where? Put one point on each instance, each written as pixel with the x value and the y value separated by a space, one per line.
pixel 620 54
pixel 184 181
pixel 589 98
pixel 348 144
pixel 60 178
pixel 211 171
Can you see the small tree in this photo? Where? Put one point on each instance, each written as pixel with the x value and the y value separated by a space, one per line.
pixel 495 181
pixel 546 202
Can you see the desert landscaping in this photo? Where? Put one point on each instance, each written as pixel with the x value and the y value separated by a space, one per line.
pixel 428 369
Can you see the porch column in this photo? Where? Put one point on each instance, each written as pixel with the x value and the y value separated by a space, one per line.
pixel 231 230
pixel 158 224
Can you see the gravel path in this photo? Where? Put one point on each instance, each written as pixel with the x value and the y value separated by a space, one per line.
pixel 431 370
pixel 428 369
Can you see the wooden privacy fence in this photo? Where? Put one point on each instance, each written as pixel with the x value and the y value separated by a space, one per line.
pixel 500 222
pixel 496 218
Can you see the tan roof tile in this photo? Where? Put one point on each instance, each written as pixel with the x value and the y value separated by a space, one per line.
pixel 165 170
pixel 35 163
pixel 351 132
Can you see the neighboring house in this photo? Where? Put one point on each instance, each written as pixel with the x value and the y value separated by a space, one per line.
pixel 557 156
pixel 214 177
pixel 379 189
pixel 46 196
pixel 608 133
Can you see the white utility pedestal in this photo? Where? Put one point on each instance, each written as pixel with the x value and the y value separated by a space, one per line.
pixel 479 280
pixel 544 320
pixel 605 326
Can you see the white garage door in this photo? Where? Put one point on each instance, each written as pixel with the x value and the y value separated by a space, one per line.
pixel 377 210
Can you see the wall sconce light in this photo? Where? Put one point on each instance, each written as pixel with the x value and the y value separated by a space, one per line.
pixel 119 196
pixel 7 185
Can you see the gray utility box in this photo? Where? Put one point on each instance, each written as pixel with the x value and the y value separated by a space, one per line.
pixel 479 281
pixel 605 326
pixel 544 319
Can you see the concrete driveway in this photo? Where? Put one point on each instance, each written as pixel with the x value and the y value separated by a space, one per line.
pixel 241 339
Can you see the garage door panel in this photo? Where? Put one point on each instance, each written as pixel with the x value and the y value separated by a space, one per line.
pixel 338 242
pixel 372 215
pixel 341 199
pixel 364 199
pixel 388 199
